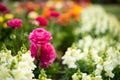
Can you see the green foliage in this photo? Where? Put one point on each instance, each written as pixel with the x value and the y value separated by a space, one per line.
pixel 85 67
pixel 54 71
pixel 68 72
pixel 116 71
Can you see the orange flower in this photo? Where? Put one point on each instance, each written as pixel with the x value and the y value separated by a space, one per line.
pixel 64 18
pixel 31 6
pixel 18 10
pixel 46 12
pixel 75 12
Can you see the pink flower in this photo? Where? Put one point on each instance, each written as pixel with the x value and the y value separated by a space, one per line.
pixel 40 47
pixel 54 14
pixel 3 8
pixel 15 23
pixel 42 21
pixel 47 55
pixel 34 51
pixel 39 36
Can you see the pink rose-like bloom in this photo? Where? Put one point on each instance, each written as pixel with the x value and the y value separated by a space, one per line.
pixel 47 55
pixel 15 23
pixel 39 36
pixel 54 14
pixel 42 21
pixel 34 51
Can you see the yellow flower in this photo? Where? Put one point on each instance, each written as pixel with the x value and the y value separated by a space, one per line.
pixel 1 19
pixel 78 9
pixel 9 16
pixel 5 25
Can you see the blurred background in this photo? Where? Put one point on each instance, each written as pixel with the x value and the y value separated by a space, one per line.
pixel 93 1
pixel 65 24
pixel 112 6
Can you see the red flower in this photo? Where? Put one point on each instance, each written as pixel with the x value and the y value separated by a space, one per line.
pixel 42 21
pixel 3 8
pixel 54 14
pixel 15 23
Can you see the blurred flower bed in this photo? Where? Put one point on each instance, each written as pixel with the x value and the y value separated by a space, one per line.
pixel 58 40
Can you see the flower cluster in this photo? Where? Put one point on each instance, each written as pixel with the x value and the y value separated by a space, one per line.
pixel 79 75
pixel 70 57
pixel 4 18
pixel 96 54
pixel 101 53
pixel 60 12
pixel 95 20
pixel 39 39
pixel 17 67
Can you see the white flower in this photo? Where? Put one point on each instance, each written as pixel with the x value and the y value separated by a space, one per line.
pixel 99 52
pixel 100 67
pixel 86 77
pixel 75 76
pixel 13 68
pixel 97 24
pixel 97 78
pixel 108 67
pixel 98 70
pixel 9 79
pixel 4 72
pixel 110 74
pixel 70 57
pixel 32 15
pixel 98 45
